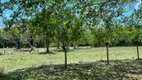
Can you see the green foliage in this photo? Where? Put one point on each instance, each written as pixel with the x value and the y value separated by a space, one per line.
pixel 91 22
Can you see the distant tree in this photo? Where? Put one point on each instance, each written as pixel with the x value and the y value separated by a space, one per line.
pixel 15 32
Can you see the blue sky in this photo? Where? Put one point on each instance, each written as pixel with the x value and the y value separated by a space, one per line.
pixel 6 13
pixel 128 13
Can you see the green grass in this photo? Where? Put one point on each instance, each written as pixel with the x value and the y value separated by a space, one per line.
pixel 19 60
pixel 117 70
pixel 84 64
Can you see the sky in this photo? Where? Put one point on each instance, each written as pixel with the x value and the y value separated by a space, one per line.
pixel 6 13
pixel 128 13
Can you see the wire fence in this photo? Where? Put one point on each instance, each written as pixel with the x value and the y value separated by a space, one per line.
pixel 10 51
pixel 114 52
pixel 24 57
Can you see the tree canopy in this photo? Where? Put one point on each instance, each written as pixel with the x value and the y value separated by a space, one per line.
pixel 93 22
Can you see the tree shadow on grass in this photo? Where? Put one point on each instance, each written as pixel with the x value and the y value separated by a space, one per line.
pixel 47 53
pixel 55 51
pixel 91 71
pixel 26 50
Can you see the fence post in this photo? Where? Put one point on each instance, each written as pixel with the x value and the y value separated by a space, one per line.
pixel 107 50
pixel 137 43
pixel 138 52
pixel 65 51
pixel 65 59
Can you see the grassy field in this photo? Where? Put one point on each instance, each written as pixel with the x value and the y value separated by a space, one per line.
pixel 23 65
pixel 20 60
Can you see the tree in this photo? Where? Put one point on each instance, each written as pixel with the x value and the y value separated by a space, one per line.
pixel 5 38
pixel 15 32
pixel 45 24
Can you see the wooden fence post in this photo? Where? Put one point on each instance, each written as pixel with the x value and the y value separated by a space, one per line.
pixel 65 51
pixel 138 52
pixel 107 50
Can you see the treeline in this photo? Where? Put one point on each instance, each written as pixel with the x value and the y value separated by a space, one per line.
pixel 94 37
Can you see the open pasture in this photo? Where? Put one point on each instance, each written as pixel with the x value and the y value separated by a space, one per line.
pixel 18 59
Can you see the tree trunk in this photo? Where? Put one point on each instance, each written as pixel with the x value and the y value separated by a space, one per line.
pixel 4 45
pixel 74 45
pixel 18 46
pixel 47 45
pixel 58 44
pixel 31 40
pixel 31 43
pixel 67 46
